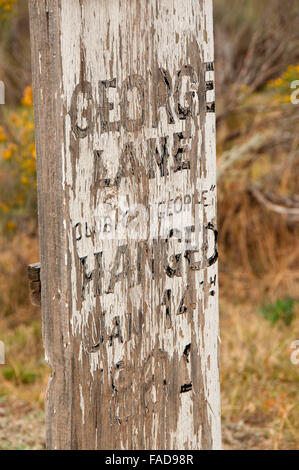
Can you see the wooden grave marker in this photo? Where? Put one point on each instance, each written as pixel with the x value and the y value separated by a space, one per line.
pixel 125 133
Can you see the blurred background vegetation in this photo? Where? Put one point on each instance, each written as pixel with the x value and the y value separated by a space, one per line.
pixel 257 58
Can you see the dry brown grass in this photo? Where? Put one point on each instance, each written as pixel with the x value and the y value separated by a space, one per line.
pixel 258 152
pixel 258 380
pixel 22 377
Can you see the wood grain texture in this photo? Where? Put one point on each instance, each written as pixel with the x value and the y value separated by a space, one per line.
pixel 125 125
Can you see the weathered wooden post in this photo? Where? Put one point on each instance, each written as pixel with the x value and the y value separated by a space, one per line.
pixel 125 133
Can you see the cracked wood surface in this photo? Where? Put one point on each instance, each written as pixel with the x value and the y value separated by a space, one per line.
pixel 125 134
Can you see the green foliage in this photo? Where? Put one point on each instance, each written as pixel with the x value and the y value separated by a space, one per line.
pixel 9 373
pixel 27 377
pixel 18 375
pixel 282 309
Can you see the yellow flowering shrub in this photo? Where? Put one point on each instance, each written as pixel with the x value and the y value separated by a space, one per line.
pixel 17 165
pixel 281 86
pixel 6 7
